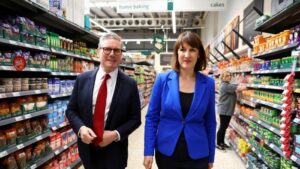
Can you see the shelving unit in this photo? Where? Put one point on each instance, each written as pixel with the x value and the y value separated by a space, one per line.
pixel 63 27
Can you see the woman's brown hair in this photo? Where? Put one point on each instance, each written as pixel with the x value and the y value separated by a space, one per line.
pixel 194 41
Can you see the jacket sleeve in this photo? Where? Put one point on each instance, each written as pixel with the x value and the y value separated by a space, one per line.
pixel 152 117
pixel 210 122
pixel 229 88
pixel 72 109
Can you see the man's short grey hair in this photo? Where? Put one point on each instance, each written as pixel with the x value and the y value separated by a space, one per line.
pixel 109 35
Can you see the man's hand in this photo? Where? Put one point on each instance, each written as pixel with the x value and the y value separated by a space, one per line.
pixel 148 160
pixel 87 135
pixel 108 137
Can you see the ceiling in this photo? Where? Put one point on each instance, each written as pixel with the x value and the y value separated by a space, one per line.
pixel 142 26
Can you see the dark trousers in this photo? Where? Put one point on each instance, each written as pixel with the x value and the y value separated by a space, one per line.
pixel 180 158
pixel 224 123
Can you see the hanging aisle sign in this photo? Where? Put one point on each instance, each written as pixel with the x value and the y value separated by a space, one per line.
pixel 136 6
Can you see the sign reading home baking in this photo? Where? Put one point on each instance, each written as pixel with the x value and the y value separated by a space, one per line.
pixel 165 5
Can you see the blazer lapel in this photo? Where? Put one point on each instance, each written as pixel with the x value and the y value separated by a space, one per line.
pixel 91 82
pixel 200 89
pixel 173 85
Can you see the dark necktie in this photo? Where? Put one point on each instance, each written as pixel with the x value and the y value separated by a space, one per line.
pixel 98 118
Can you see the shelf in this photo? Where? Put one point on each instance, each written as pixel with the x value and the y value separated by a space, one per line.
pixel 24 117
pixel 54 96
pixel 234 147
pixel 11 68
pixel 265 125
pixel 273 71
pixel 64 74
pixel 74 164
pixel 239 132
pixel 249 103
pixel 48 19
pixel 271 145
pixel 285 19
pixel 259 155
pixel 22 145
pixel 61 149
pixel 277 51
pixel 24 45
pixel 72 55
pixel 41 161
pixel 243 118
pixel 273 105
pixel 128 67
pixel 242 71
pixel 295 159
pixel 265 86
pixel 23 93
pixel 61 125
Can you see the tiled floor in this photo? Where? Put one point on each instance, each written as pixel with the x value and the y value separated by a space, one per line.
pixel 223 160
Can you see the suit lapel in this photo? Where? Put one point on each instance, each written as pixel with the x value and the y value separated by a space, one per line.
pixel 200 89
pixel 115 98
pixel 173 85
pixel 91 82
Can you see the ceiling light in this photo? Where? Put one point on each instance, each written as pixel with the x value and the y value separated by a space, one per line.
pixel 174 21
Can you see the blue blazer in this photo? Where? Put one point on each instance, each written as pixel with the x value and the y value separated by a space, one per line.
pixel 124 116
pixel 164 120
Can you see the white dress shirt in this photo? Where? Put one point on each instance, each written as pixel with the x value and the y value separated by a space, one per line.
pixel 111 85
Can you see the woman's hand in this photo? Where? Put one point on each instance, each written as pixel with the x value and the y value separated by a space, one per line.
pixel 148 160
pixel 210 165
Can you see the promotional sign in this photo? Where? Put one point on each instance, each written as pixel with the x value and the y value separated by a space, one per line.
pixel 158 42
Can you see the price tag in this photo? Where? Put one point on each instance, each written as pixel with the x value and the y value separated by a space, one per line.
pixel 2 95
pixel 27 116
pixel 38 138
pixel 253 149
pixel 12 42
pixel 259 155
pixel 294 158
pixel 37 91
pixel 56 152
pixel 65 147
pixel 3 153
pixel 272 128
pixel 272 145
pixel 54 128
pixel 18 118
pixel 259 122
pixel 27 45
pixel 285 47
pixel 20 146
pixel 16 94
pixel 33 166
pixel 251 117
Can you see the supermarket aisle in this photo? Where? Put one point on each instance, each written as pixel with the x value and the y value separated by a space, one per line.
pixel 224 160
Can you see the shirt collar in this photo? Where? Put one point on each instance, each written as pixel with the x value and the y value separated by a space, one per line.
pixel 113 75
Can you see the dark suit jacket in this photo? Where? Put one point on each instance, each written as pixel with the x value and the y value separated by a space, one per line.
pixel 124 116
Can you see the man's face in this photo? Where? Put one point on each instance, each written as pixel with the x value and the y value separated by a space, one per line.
pixel 110 54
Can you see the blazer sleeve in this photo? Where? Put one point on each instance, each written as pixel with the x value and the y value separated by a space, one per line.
pixel 210 121
pixel 134 119
pixel 152 117
pixel 72 109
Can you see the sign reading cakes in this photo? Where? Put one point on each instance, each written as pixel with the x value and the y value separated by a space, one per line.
pixel 158 42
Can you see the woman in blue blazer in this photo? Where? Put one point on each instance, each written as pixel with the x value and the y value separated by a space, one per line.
pixel 181 121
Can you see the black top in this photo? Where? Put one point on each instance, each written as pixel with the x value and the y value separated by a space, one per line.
pixel 186 102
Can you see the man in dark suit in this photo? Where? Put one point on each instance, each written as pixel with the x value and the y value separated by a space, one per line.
pixel 103 137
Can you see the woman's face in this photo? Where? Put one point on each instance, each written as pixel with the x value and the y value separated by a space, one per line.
pixel 227 77
pixel 187 56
